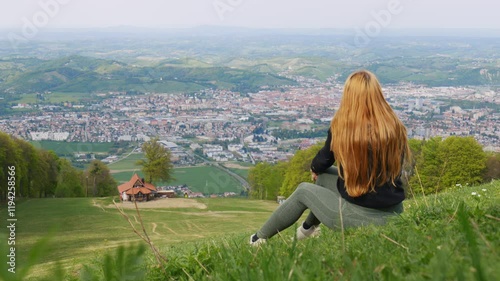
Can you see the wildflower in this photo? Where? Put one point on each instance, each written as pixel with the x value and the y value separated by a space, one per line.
pixel 474 193
pixel 484 189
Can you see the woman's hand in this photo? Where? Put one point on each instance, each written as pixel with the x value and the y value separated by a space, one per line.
pixel 314 176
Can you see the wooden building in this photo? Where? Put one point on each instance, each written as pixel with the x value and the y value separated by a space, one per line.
pixel 136 188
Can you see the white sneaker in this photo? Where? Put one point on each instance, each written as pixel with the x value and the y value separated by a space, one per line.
pixel 303 233
pixel 257 242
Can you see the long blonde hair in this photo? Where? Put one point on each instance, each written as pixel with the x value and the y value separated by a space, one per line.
pixel 368 139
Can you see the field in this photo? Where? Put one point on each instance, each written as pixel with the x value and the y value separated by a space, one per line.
pixel 205 179
pixel 68 148
pixel 127 163
pixel 55 97
pixel 84 228
pixel 239 168
pixel 450 236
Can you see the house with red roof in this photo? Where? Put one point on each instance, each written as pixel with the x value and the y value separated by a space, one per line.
pixel 137 189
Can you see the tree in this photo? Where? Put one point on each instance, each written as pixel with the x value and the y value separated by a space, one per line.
pixel 8 158
pixel 37 172
pixel 157 165
pixel 266 179
pixel 492 167
pixel 255 179
pixel 298 170
pixel 428 167
pixel 275 179
pixel 103 184
pixel 447 163
pixel 69 180
pixel 27 165
pixel 46 173
pixel 465 159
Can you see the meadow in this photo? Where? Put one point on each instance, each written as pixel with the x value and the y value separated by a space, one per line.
pixel 55 97
pixel 69 148
pixel 127 163
pixel 448 236
pixel 81 230
pixel 239 168
pixel 205 179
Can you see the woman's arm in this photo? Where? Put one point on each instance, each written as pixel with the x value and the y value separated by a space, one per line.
pixel 325 158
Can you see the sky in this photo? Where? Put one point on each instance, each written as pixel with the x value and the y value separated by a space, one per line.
pixel 397 14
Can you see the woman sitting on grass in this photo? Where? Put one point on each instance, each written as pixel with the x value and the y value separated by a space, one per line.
pixel 370 145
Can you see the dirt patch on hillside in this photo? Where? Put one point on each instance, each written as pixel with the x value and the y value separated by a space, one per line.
pixel 165 203
pixel 124 170
pixel 235 166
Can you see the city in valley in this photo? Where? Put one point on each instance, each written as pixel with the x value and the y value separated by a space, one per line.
pixel 264 126
pixel 252 97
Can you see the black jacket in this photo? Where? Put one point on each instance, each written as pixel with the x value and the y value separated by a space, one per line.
pixel 386 195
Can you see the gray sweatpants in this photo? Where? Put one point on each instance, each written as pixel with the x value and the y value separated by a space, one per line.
pixel 326 205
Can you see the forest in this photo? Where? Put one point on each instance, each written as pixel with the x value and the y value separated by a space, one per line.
pixel 436 165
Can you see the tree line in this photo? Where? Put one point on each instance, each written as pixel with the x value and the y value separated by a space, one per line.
pixel 436 165
pixel 41 173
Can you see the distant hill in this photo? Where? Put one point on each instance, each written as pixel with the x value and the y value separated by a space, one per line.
pixel 240 60
pixel 85 74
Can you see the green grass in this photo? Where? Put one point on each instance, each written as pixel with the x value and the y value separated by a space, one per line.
pixel 68 148
pixel 242 170
pixel 451 236
pixel 205 179
pixel 122 177
pixel 55 97
pixel 80 230
pixel 127 163
pixel 27 98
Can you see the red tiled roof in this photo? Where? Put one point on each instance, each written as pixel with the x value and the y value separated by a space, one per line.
pixel 149 186
pixel 136 181
pixel 134 191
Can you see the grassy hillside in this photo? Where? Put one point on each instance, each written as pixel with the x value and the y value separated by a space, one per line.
pixel 77 74
pixel 451 236
pixel 80 230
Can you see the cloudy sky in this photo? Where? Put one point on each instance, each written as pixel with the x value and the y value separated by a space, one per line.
pixel 251 13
